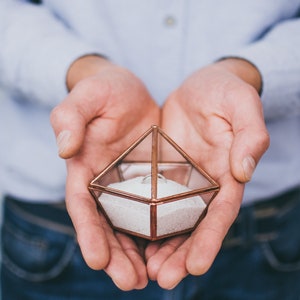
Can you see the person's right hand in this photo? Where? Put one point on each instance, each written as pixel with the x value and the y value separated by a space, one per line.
pixel 107 109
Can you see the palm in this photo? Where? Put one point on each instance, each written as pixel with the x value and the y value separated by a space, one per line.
pixel 115 116
pixel 203 128
pixel 215 116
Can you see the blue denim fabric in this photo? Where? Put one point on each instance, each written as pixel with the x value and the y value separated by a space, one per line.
pixel 45 264
pixel 42 264
pixel 262 266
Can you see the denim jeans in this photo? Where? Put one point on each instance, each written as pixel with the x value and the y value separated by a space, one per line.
pixel 260 260
pixel 41 260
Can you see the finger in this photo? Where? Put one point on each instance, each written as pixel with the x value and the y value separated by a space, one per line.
pixel 251 138
pixel 132 264
pixel 161 254
pixel 120 268
pixel 208 236
pixel 89 225
pixel 70 118
pixel 248 146
pixel 91 235
pixel 151 249
pixel 69 128
pixel 98 244
pixel 174 269
pixel 126 268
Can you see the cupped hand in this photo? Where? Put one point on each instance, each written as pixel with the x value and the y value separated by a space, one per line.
pixel 106 110
pixel 216 116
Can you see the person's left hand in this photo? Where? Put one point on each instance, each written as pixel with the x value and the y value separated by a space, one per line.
pixel 217 118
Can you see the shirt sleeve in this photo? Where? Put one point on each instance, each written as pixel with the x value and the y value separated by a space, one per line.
pixel 36 51
pixel 277 56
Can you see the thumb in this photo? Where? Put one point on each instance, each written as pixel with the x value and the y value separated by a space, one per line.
pixel 69 128
pixel 250 135
pixel 248 147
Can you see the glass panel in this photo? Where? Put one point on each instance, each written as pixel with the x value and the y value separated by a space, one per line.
pixel 110 176
pixel 152 169
pixel 138 187
pixel 170 188
pixel 179 215
pixel 179 172
pixel 198 180
pixel 127 214
pixel 166 149
pixel 136 169
pixel 140 151
pixel 208 197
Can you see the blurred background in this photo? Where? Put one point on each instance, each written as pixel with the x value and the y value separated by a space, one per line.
pixel 0 200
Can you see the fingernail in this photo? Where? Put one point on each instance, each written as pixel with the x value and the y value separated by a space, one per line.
pixel 174 285
pixel 63 140
pixel 248 167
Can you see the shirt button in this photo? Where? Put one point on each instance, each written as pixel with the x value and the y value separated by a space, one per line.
pixel 169 21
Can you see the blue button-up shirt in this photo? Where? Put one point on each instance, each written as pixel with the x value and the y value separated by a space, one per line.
pixel 162 42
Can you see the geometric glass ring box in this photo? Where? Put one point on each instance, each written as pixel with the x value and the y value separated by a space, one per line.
pixel 153 189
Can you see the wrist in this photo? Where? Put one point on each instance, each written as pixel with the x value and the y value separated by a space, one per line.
pixel 244 69
pixel 84 67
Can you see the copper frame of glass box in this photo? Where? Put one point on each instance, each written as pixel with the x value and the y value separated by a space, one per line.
pixel 158 156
